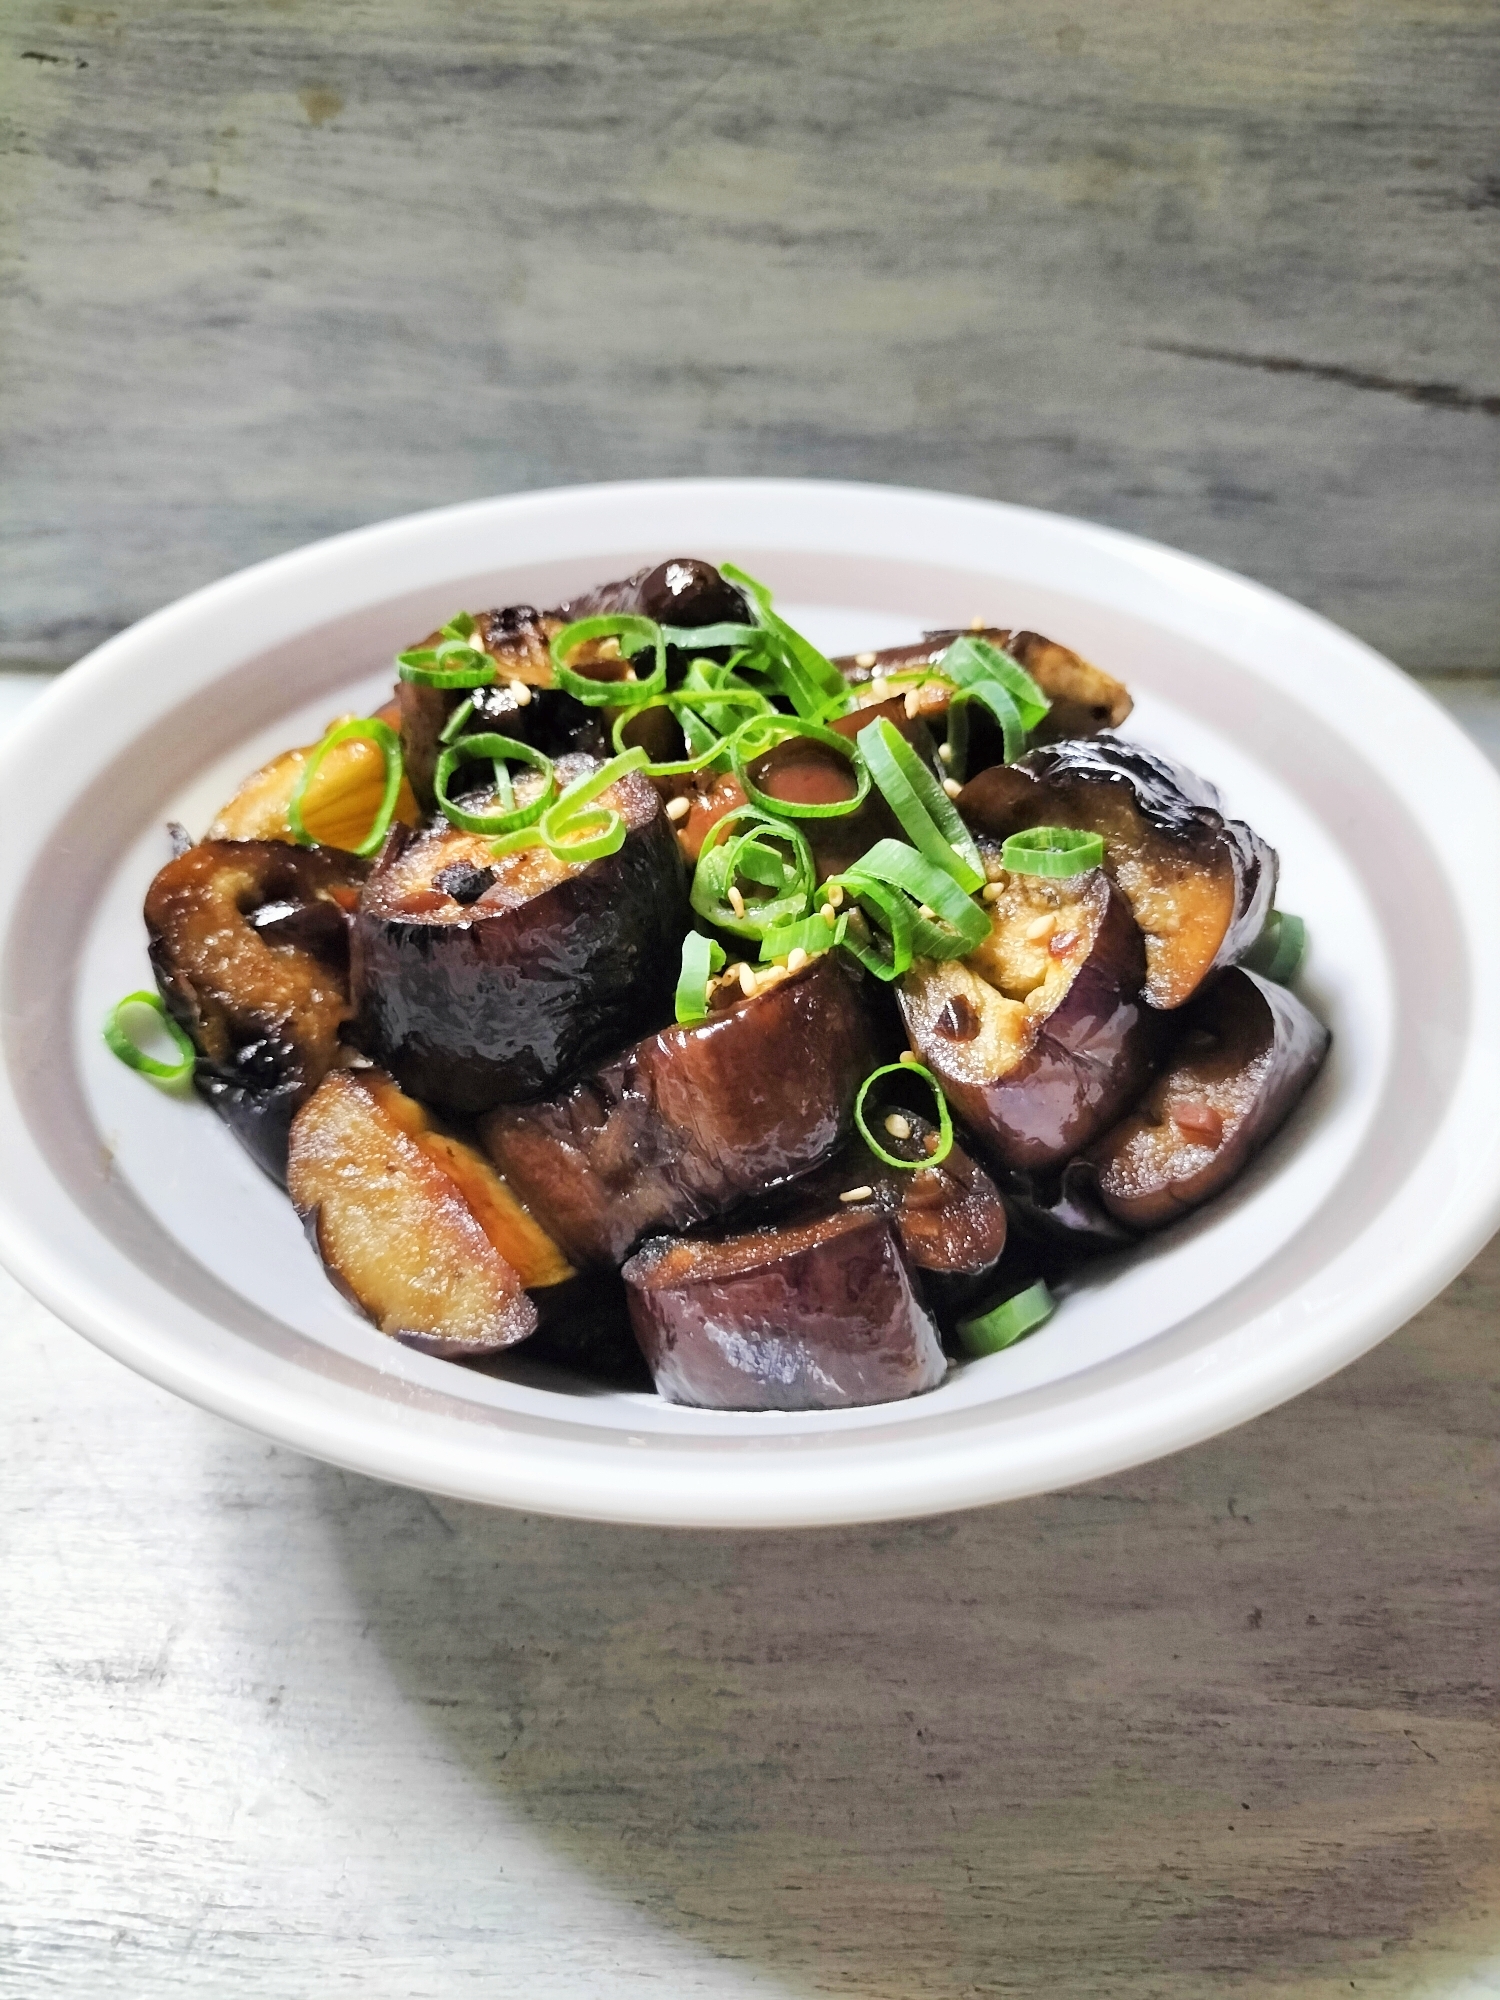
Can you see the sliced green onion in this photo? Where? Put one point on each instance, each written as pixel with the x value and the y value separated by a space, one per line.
pixel 879 930
pixel 498 750
pixel 1053 851
pixel 710 638
pixel 701 958
pixel 811 935
pixel 705 744
pixel 989 695
pixel 812 673
pixel 1278 952
pixel 369 729
pixel 764 733
pixel 917 799
pixel 578 830
pixel 945 1119
pixel 124 1045
pixel 1003 1325
pixel 743 846
pixel 454 726
pixel 634 634
pixel 957 923
pixel 971 661
pixel 452 663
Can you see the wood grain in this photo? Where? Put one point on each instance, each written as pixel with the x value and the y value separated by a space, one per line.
pixel 1219 273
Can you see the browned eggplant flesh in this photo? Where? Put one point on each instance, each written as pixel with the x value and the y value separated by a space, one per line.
pixel 694 1120
pixel 817 1316
pixel 249 941
pixel 1040 1037
pixel 481 979
pixel 561 1099
pixel 1200 886
pixel 1247 1052
pixel 420 1236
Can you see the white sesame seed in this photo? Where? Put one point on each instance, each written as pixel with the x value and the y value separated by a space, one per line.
pixel 736 901
pixel 908 1056
pixel 829 914
pixel 926 910
pixel 857 1194
pixel 747 980
pixel 897 1126
pixel 835 895
pixel 976 625
pixel 864 659
pixel 1040 927
pixel 796 958
pixel 992 891
pixel 913 703
pixel 880 687
pixel 520 694
pixel 952 787
pixel 678 808
pixel 945 752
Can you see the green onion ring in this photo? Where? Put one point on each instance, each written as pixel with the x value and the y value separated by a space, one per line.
pixel 990 695
pixel 499 750
pixel 454 726
pixel 124 1045
pixel 1004 1324
pixel 1278 952
pixel 725 854
pixel 578 830
pixel 809 934
pixel 624 626
pixel 685 706
pixel 972 661
pixel 892 920
pixel 917 799
pixel 701 958
pixel 369 729
pixel 945 1117
pixel 958 923
pixel 470 665
pixel 745 746
pixel 1054 852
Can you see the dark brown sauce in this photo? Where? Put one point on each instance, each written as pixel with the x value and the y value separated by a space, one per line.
pixel 804 774
pixel 959 1020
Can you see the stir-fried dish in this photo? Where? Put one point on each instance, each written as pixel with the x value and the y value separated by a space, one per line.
pixel 643 986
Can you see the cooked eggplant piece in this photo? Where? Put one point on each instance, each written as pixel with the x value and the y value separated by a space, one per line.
pixel 341 802
pixel 1039 1037
pixel 1200 886
pixel 249 941
pixel 471 1003
pixel 1247 1053
pixel 413 1233
pixel 693 1120
pixel 822 1315
pixel 1060 1218
pixel 1084 698
pixel 683 591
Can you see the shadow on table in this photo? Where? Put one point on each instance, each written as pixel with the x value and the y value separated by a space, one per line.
pixel 1227 1719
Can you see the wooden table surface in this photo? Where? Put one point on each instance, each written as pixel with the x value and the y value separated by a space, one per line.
pixel 1219 273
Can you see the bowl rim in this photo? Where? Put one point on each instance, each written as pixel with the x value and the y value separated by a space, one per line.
pixel 664 1482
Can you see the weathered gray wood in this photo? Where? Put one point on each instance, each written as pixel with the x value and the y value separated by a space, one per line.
pixel 1223 274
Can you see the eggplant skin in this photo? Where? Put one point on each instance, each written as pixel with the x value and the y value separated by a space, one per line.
pixel 474 1003
pixel 1084 698
pixel 691 1121
pixel 1247 1052
pixel 1201 886
pixel 394 1224
pixel 683 591
pixel 249 943
pixel 822 1315
pixel 1033 1083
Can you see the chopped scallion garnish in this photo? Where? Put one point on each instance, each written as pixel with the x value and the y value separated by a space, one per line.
pixel 578 830
pixel 762 734
pixel 1004 1324
pixel 632 634
pixel 1278 952
pixel 701 958
pixel 125 1045
pixel 945 1120
pixel 453 662
pixel 812 935
pixel 1052 851
pixel 917 799
pixel 745 847
pixel 498 751
pixel 367 728
pixel 945 923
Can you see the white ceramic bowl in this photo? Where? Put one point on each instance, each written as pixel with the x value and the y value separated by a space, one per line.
pixel 138 1219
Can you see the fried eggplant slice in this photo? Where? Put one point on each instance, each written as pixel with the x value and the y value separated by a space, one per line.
pixel 1040 1037
pixel 683 591
pixel 693 1120
pixel 1085 699
pixel 481 980
pixel 249 941
pixel 823 1315
pixel 1200 885
pixel 407 1230
pixel 1247 1053
pixel 340 804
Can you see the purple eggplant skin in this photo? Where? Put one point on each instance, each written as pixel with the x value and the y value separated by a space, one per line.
pixel 1201 885
pixel 1247 1051
pixel 1084 698
pixel 249 941
pixel 470 1003
pixel 822 1315
pixel 690 1122
pixel 1034 1085
pixel 1060 1218
pixel 683 591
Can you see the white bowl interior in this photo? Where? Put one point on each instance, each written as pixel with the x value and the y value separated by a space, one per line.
pixel 186 1260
